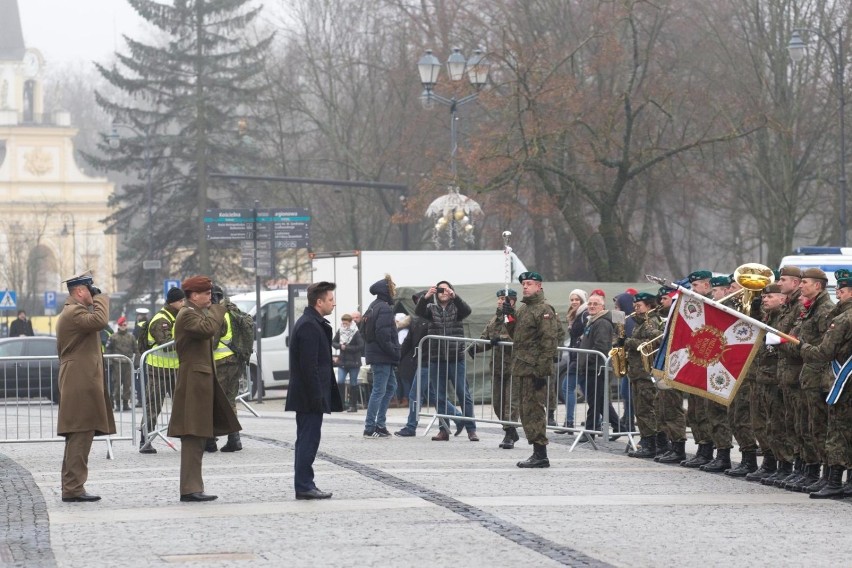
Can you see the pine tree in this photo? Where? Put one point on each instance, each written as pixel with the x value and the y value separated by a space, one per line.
pixel 182 97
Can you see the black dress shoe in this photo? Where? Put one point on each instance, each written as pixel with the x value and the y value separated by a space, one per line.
pixel 198 497
pixel 313 494
pixel 84 498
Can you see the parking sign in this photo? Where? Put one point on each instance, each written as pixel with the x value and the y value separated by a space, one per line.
pixel 50 300
pixel 168 285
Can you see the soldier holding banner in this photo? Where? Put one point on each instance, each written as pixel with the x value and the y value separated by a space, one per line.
pixel 835 348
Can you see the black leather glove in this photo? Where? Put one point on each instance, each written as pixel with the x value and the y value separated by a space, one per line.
pixel 539 384
pixel 508 310
pixel 94 290
pixel 495 341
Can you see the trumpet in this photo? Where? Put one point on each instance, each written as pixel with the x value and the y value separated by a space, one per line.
pixel 619 356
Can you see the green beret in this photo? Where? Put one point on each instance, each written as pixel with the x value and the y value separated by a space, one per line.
pixel 502 292
pixel 644 297
pixel 664 291
pixel 842 273
pixel 717 281
pixel 777 274
pixel 530 276
pixel 700 275
pixel 844 282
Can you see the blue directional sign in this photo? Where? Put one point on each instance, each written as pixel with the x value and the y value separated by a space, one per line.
pixel 8 299
pixel 50 300
pixel 168 285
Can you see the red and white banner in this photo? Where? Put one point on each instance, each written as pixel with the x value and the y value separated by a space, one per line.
pixel 709 351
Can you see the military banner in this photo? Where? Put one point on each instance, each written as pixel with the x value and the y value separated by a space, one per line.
pixel 708 351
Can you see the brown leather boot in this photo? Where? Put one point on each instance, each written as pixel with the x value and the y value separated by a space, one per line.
pixel 443 436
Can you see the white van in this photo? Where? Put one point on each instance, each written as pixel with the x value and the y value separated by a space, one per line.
pixel 828 259
pixel 276 319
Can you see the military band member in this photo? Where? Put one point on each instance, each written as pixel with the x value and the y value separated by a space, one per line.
pixel 643 392
pixel 537 335
pixel 670 413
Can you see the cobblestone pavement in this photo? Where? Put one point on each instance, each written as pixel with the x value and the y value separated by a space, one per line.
pixel 403 502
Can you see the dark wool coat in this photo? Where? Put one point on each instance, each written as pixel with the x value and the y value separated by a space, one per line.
pixel 379 329
pixel 200 406
pixel 313 387
pixel 84 402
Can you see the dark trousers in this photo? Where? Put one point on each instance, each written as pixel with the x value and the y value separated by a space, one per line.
pixel 308 431
pixel 75 463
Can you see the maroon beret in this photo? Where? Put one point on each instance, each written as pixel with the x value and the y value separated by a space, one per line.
pixel 197 284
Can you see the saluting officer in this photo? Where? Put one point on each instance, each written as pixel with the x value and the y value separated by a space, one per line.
pixel 537 335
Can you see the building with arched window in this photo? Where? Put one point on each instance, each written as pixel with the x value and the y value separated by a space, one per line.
pixel 50 211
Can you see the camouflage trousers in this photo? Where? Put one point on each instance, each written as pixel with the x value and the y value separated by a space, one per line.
pixel 792 419
pixel 505 397
pixel 838 440
pixel 552 396
pixel 739 417
pixel 532 410
pixel 160 382
pixel 817 413
pixel 671 417
pixel 643 395
pixel 717 417
pixel 121 379
pixel 767 416
pixel 697 419
pixel 229 372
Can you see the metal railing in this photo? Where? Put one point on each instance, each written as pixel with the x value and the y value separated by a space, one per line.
pixel 468 381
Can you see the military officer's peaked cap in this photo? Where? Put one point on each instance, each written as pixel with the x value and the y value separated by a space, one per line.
pixel 530 276
pixel 700 275
pixel 502 292
pixel 84 279
pixel 644 297
pixel 717 281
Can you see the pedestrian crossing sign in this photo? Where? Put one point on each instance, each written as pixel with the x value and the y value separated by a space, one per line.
pixel 8 299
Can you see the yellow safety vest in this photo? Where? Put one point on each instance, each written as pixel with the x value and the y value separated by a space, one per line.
pixel 222 350
pixel 162 359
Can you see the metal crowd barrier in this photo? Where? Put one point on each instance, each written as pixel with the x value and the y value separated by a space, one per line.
pixel 157 391
pixel 29 407
pixel 462 389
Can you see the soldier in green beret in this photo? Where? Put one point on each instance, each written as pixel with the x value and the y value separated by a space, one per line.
pixel 537 334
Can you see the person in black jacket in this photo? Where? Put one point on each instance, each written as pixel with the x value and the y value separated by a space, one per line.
pixel 312 390
pixel 21 327
pixel 349 342
pixel 382 354
pixel 445 312
pixel 597 336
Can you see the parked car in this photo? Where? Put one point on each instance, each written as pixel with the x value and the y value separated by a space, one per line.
pixel 29 378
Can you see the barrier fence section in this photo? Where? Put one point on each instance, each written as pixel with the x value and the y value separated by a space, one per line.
pixel 29 409
pixel 158 373
pixel 469 380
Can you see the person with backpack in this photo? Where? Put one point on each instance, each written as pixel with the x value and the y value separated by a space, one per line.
pixel 162 365
pixel 230 367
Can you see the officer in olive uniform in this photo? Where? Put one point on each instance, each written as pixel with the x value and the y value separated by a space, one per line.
pixel 537 335
pixel 813 322
pixel 229 371
pixel 835 348
pixel 643 393
pixel 785 424
pixel 162 366
pixel 505 393
pixel 670 413
pixel 766 399
pixel 697 407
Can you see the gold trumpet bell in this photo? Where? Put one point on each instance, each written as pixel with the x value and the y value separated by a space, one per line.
pixel 753 276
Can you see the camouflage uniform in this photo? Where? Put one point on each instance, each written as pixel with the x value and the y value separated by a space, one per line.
pixel 739 413
pixel 121 342
pixel 505 392
pixel 789 425
pixel 536 334
pixel 836 344
pixel 643 392
pixel 766 399
pixel 814 378
pixel 229 371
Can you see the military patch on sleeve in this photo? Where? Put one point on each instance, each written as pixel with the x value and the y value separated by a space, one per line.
pixel 164 325
pixel 546 316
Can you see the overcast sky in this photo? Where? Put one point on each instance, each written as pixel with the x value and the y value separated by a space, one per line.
pixel 77 30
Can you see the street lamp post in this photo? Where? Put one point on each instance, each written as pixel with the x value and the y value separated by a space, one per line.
pixel 797 49
pixel 115 142
pixel 453 208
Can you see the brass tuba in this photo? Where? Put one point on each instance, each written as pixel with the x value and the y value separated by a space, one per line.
pixel 753 278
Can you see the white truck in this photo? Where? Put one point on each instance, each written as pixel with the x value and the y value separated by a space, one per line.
pixel 355 271
pixel 828 259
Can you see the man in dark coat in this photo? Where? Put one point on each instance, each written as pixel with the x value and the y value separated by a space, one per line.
pixel 21 327
pixel 85 411
pixel 200 409
pixel 312 391
pixel 382 354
